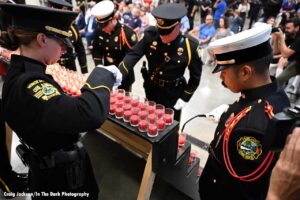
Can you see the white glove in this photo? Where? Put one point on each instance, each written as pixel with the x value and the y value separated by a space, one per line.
pixel 180 104
pixel 216 113
pixel 116 72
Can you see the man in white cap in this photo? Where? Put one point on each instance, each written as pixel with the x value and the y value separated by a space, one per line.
pixel 112 40
pixel 239 164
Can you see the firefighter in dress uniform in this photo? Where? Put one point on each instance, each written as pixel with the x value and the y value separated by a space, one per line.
pixel 48 121
pixel 169 53
pixel 239 164
pixel 112 40
pixel 77 48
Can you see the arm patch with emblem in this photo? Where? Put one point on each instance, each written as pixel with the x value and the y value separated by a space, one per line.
pixel 42 90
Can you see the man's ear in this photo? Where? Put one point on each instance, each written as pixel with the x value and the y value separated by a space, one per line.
pixel 41 39
pixel 246 72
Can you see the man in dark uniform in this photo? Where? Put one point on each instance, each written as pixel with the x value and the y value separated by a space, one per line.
pixel 169 53
pixel 77 50
pixel 239 164
pixel 47 121
pixel 112 40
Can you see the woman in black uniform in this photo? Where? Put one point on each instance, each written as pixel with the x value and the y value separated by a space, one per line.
pixel 47 120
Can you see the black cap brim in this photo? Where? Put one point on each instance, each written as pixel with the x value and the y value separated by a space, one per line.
pixel 65 40
pixel 219 68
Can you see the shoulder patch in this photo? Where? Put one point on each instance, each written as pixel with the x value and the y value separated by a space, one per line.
pixel 249 148
pixel 133 38
pixel 42 90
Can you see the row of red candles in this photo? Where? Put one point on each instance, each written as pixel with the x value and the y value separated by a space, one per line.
pixel 70 81
pixel 143 115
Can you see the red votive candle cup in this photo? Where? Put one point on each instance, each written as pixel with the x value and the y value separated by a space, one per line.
pixel 126 116
pixel 168 119
pixel 161 124
pixel 119 104
pixel 152 130
pixel 192 157
pixel 135 100
pixel 169 116
pixel 127 107
pixel 143 125
pixel 151 118
pixel 112 109
pixel 119 112
pixel 135 110
pixel 120 96
pixel 127 99
pixel 120 93
pixel 181 139
pixel 160 110
pixel 143 114
pixel 134 120
pixel 159 113
pixel 143 106
pixel 151 107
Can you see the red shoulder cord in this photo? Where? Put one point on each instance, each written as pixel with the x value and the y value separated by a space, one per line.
pixel 256 174
pixel 123 38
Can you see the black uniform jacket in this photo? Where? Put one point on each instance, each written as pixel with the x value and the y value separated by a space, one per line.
pixel 37 109
pixel 167 62
pixel 246 147
pixel 78 50
pixel 110 49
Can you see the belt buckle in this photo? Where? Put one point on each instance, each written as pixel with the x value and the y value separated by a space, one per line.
pixel 161 83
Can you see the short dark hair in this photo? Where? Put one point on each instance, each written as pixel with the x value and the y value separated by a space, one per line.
pixel 294 20
pixel 260 66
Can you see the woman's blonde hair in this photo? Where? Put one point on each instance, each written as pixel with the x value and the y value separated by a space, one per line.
pixel 13 37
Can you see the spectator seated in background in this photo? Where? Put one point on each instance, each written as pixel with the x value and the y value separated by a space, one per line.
pixel 289 48
pixel 206 31
pixel 221 32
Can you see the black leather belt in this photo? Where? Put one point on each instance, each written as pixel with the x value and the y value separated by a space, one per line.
pixel 65 155
pixel 168 83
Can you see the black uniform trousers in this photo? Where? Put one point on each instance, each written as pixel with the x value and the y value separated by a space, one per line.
pixel 38 182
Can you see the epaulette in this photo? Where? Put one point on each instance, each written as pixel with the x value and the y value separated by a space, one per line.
pixel 192 40
pixel 74 32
